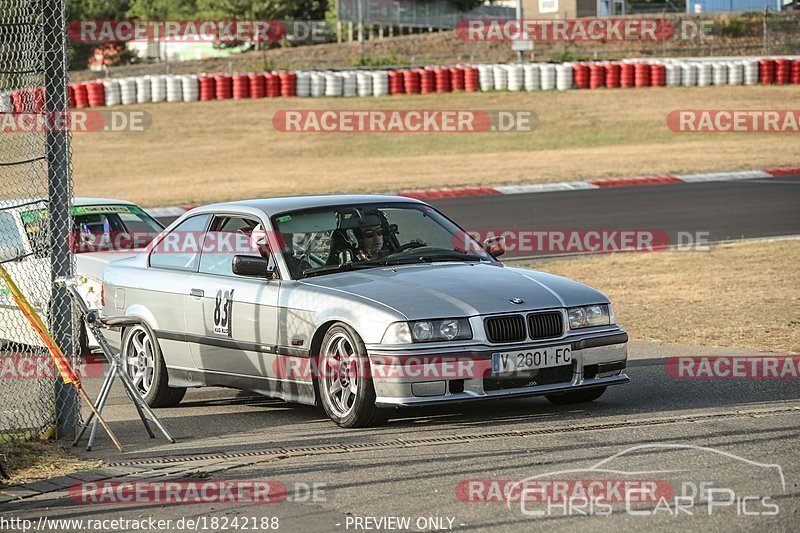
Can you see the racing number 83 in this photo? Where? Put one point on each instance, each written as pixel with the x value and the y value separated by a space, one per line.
pixel 222 312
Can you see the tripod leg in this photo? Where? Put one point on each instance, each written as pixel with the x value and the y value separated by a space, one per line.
pixel 135 401
pixel 103 391
pixel 100 404
pixel 126 380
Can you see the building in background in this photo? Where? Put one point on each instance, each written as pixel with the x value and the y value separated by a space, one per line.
pixel 721 6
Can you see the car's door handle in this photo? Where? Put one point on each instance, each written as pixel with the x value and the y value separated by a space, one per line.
pixel 197 293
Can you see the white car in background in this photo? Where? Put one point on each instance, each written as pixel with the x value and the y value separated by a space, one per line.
pixel 102 230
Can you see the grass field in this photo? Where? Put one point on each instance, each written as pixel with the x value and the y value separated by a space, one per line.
pixel 26 462
pixel 222 150
pixel 736 295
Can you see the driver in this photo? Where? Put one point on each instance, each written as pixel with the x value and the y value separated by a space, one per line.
pixel 370 242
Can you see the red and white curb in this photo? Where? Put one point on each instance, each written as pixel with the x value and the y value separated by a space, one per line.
pixel 632 181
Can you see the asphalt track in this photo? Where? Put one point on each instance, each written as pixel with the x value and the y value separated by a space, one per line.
pixel 716 211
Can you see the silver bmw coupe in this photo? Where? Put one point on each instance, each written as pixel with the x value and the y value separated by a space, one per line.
pixel 359 303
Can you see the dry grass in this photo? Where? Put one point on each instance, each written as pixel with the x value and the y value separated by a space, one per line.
pixel 209 151
pixel 26 462
pixel 736 295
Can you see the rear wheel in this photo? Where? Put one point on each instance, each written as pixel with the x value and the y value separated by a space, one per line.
pixel 145 366
pixel 579 396
pixel 344 380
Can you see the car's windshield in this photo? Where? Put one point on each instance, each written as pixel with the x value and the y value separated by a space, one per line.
pixel 330 239
pixel 112 227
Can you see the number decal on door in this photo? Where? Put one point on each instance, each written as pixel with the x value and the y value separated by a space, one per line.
pixel 223 307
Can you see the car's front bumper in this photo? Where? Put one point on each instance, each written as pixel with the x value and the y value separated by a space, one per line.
pixel 597 360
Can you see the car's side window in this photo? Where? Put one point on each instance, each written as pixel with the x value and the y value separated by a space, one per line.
pixel 180 249
pixel 229 236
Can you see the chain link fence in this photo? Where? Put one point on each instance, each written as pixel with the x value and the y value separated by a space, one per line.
pixel 35 198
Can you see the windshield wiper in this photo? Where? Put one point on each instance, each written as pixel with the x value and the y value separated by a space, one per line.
pixel 431 258
pixel 344 267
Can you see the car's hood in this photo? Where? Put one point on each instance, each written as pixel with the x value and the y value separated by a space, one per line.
pixel 93 264
pixel 465 289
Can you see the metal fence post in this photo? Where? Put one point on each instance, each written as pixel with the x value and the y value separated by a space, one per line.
pixel 59 196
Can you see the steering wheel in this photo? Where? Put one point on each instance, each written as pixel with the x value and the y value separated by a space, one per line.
pixel 410 245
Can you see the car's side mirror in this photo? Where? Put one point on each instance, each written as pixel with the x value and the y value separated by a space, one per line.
pixel 10 253
pixel 496 246
pixel 252 266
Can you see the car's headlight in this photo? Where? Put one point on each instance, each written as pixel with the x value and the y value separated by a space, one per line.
pixel 448 329
pixel 589 316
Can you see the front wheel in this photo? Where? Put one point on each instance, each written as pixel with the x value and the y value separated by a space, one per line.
pixel 344 380
pixel 145 366
pixel 578 396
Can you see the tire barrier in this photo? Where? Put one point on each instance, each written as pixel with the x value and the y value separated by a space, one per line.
pixel 174 89
pixel 288 84
pixel 485 78
pixel 334 84
pixel 363 83
pixel 783 71
pixel 223 87
pixel 500 75
pixel 457 78
pixel 127 91
pixel 516 77
pixel 512 77
pixel 751 72
pixel 613 75
pixel 471 79
pixel 143 89
pixel 531 73
pixel 411 82
pixel 241 86
pixel 113 92
pixel 158 88
pixel 96 94
pixel 208 88
pixel 427 81
pixel 258 85
pixel 547 76
pixel 317 84
pixel 442 78
pixel 396 84
pixel 380 83
pixel 627 75
pixel 190 88
pixel 564 76
pixel 349 84
pixel 673 74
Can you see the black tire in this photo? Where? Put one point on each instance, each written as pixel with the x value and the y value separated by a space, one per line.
pixel 362 411
pixel 155 390
pixel 579 396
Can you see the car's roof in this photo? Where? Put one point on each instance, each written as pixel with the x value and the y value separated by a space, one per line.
pixel 78 201
pixel 272 206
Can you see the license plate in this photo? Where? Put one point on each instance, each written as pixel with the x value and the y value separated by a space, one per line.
pixel 531 359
